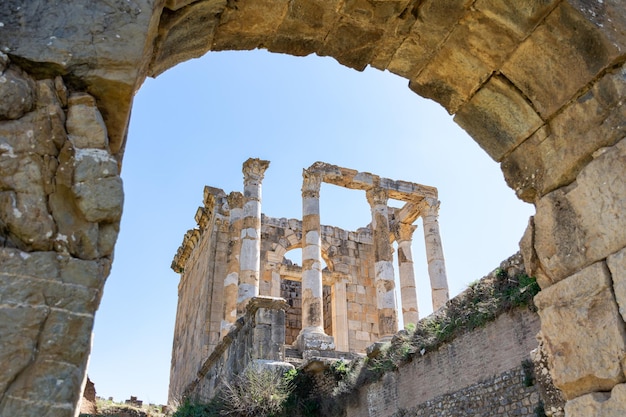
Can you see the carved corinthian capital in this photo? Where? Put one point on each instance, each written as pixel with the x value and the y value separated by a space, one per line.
pixel 377 196
pixel 311 183
pixel 254 170
pixel 404 232
pixel 429 207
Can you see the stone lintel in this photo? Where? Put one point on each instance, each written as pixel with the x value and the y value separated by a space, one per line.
pixel 354 180
pixel 294 273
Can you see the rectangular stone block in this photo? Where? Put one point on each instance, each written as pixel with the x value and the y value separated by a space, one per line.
pixel 247 25
pixel 20 328
pixel 363 336
pixel 578 225
pixel 304 27
pixel 583 332
pixel 474 49
pixel 434 20
pixel 352 44
pixel 565 52
pixel 519 17
pixel 498 117
pixel 599 404
pixel 553 156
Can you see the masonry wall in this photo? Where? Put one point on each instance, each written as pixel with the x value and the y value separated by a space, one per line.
pixel 257 337
pixel 478 373
pixel 191 339
pixel 350 260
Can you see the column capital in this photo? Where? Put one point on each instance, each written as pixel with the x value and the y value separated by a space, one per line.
pixel 254 170
pixel 404 231
pixel 429 207
pixel 235 200
pixel 377 196
pixel 311 183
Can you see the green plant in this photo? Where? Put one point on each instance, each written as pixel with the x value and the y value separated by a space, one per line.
pixel 539 410
pixel 339 369
pixel 529 372
pixel 191 409
pixel 257 391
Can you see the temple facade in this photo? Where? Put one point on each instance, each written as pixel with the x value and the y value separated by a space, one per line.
pixel 342 298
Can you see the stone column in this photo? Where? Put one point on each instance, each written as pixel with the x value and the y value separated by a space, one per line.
pixel 231 283
pixel 434 253
pixel 250 257
pixel 312 336
pixel 408 292
pixel 340 316
pixel 276 281
pixel 383 264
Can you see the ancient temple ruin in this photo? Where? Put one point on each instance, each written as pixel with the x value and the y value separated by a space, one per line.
pixel 237 254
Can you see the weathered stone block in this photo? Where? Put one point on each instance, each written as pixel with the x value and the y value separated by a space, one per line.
pixel 617 266
pixel 498 117
pixel 578 225
pixel 84 124
pixel 66 337
pixel 308 18
pixel 583 332
pixel 23 203
pixel 434 20
pixel 186 33
pixel 75 236
pixel 57 382
pixel 564 53
pixel 352 44
pixel 92 164
pixel 473 50
pixel 100 200
pixel 599 404
pixel 553 156
pixel 17 95
pixel 20 326
pixel 519 17
pixel 608 18
pixel 40 132
pixel 373 12
pixel 247 25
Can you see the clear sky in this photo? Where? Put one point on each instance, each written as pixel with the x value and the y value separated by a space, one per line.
pixel 197 123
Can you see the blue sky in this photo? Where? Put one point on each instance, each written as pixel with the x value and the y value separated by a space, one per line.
pixel 197 123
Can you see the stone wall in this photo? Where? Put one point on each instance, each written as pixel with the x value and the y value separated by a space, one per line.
pixel 503 395
pixel 469 373
pixel 257 339
pixel 291 291
pixel 540 87
pixel 60 206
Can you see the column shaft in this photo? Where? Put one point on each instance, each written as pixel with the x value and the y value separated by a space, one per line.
pixel 312 335
pixel 312 297
pixel 383 264
pixel 250 257
pixel 408 291
pixel 434 254
pixel 231 282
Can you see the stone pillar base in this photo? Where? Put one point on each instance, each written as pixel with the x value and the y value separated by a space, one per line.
pixel 314 340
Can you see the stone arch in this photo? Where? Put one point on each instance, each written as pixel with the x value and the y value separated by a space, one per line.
pixel 539 86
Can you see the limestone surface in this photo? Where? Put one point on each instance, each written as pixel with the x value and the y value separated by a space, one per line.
pixel 605 404
pixel 583 332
